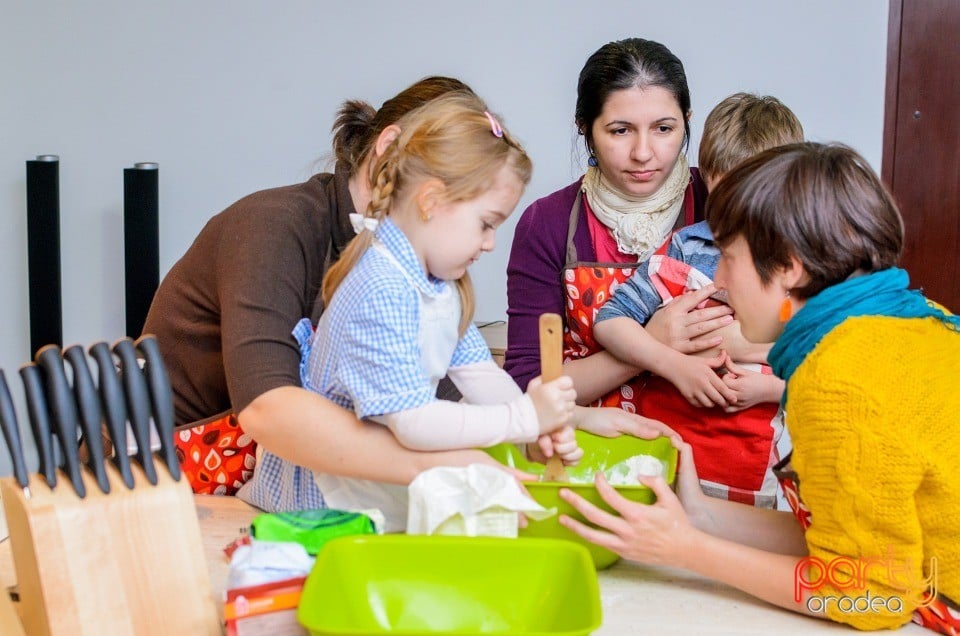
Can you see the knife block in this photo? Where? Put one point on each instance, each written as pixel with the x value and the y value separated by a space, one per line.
pixel 127 562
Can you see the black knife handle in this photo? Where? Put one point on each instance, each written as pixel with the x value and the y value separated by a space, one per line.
pixel 114 407
pixel 64 412
pixel 138 404
pixel 40 421
pixel 161 398
pixel 90 417
pixel 11 432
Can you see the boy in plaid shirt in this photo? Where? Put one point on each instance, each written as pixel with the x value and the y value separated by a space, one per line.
pixel 737 439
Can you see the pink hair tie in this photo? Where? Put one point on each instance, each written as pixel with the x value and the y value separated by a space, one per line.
pixel 494 125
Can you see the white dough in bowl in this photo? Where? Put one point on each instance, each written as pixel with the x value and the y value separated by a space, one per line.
pixel 627 472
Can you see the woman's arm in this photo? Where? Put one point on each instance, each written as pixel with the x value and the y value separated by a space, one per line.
pixel 662 534
pixel 771 530
pixel 704 332
pixel 307 429
pixel 597 375
pixel 695 378
pixel 535 286
pixel 684 328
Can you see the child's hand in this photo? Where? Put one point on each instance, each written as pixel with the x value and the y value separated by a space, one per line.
pixel 752 388
pixel 562 443
pixel 698 382
pixel 553 401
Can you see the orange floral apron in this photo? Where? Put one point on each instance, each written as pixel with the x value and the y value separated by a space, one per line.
pixel 733 450
pixel 216 456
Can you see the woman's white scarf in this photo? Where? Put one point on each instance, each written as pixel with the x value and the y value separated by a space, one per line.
pixel 639 224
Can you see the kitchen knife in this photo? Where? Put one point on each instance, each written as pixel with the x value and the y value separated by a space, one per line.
pixel 40 421
pixel 64 413
pixel 11 432
pixel 161 399
pixel 89 405
pixel 138 404
pixel 114 408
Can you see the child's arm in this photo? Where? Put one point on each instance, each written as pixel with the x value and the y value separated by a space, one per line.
pixel 487 383
pixel 694 377
pixel 484 383
pixel 752 388
pixel 753 549
pixel 444 425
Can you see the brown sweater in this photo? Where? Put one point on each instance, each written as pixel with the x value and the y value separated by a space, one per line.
pixel 224 312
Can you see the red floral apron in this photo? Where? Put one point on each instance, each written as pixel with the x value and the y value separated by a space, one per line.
pixel 938 614
pixel 733 450
pixel 217 457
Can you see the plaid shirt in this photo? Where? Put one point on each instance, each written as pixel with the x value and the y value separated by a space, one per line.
pixel 365 357
pixel 369 358
pixel 688 263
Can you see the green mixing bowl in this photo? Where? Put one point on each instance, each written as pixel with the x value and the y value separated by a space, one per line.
pixel 400 584
pixel 599 453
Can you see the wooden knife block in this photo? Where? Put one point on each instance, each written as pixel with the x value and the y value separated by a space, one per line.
pixel 129 562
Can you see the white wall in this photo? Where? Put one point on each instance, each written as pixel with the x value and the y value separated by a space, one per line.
pixel 231 96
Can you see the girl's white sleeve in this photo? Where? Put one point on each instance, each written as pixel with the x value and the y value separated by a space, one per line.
pixel 484 383
pixel 445 425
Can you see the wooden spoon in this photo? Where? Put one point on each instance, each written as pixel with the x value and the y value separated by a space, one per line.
pixel 551 368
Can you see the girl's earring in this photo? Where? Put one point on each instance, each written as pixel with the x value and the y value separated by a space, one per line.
pixel 592 161
pixel 786 309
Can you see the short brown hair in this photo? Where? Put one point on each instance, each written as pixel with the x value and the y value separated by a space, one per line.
pixel 821 203
pixel 741 126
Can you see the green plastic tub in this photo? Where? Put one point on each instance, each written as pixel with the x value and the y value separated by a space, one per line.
pixel 399 584
pixel 599 453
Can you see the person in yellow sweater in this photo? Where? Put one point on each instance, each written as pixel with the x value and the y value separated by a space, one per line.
pixel 809 244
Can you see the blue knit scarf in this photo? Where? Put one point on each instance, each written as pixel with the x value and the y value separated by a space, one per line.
pixel 881 293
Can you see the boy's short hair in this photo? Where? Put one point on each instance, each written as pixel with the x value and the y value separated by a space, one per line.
pixel 741 126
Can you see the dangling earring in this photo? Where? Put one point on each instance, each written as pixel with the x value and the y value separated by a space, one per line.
pixel 786 309
pixel 592 161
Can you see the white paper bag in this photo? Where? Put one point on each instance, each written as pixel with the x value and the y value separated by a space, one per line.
pixel 476 501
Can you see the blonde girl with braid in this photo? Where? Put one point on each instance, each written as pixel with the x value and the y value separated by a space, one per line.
pixel 400 308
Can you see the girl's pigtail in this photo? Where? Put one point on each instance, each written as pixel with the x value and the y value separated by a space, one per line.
pixel 385 176
pixel 467 302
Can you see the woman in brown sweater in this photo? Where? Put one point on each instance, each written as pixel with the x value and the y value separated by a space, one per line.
pixel 224 313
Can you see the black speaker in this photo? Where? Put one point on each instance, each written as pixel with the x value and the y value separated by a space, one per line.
pixel 43 251
pixel 141 242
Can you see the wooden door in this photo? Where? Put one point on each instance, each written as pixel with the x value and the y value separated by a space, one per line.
pixel 921 140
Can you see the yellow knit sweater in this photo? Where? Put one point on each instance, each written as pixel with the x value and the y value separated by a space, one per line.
pixel 874 413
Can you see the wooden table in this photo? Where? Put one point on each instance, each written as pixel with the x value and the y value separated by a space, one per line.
pixel 636 599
